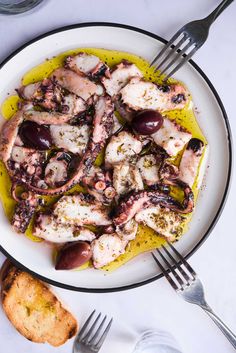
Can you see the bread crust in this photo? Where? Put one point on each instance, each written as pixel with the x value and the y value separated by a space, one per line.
pixel 34 310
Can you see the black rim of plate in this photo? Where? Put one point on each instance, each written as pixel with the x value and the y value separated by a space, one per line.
pixel 221 206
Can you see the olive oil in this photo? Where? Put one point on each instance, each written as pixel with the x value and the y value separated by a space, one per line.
pixel 146 238
pixel 9 107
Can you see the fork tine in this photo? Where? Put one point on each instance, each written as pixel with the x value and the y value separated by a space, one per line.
pixel 171 53
pixel 177 56
pixel 181 270
pixel 187 58
pixel 103 336
pixel 90 331
pixel 166 274
pixel 171 41
pixel 91 341
pixel 190 269
pixel 85 326
pixel 174 273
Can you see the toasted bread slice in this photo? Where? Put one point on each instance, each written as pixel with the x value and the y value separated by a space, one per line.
pixel 34 310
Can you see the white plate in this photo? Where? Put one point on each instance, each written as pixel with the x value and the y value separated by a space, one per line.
pixel 36 257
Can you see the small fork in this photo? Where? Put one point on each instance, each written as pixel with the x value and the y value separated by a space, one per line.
pixel 90 340
pixel 185 282
pixel 188 40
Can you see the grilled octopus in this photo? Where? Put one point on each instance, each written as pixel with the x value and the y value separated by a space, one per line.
pixel 74 110
pixel 136 201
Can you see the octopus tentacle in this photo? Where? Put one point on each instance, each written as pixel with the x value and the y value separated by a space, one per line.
pixel 24 211
pixel 13 192
pixel 168 171
pixel 188 201
pixel 8 135
pixel 98 183
pixel 74 83
pixel 26 165
pixel 45 93
pixel 136 201
pixel 47 118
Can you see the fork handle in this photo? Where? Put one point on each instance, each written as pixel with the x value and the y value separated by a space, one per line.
pixel 226 331
pixel 214 14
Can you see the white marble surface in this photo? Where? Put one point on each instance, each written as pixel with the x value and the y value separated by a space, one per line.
pixel 155 305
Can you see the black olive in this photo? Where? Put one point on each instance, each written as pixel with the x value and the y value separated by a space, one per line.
pixel 147 122
pixel 35 136
pixel 73 255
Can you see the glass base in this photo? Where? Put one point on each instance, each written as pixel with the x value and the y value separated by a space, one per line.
pixel 14 7
pixel 153 341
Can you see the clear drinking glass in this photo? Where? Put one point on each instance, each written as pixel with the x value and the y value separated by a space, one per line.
pixel 14 7
pixel 153 341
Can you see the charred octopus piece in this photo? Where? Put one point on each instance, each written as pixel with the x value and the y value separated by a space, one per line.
pixel 110 246
pixel 149 169
pixel 28 92
pixel 126 177
pixel 139 94
pixel 25 165
pixel 47 228
pixel 57 169
pixel 99 184
pixel 120 76
pixel 85 117
pixel 122 148
pixel 136 201
pixel 88 65
pixel 72 105
pixel 172 137
pixel 81 210
pixel 189 163
pixel 24 211
pixel 51 96
pixel 71 138
pixel 128 230
pixel 46 93
pixel 46 118
pixel 74 83
pixel 168 171
pixel 106 249
pixel 163 221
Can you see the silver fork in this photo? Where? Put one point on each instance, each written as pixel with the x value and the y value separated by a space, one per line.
pixel 188 40
pixel 91 336
pixel 186 283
